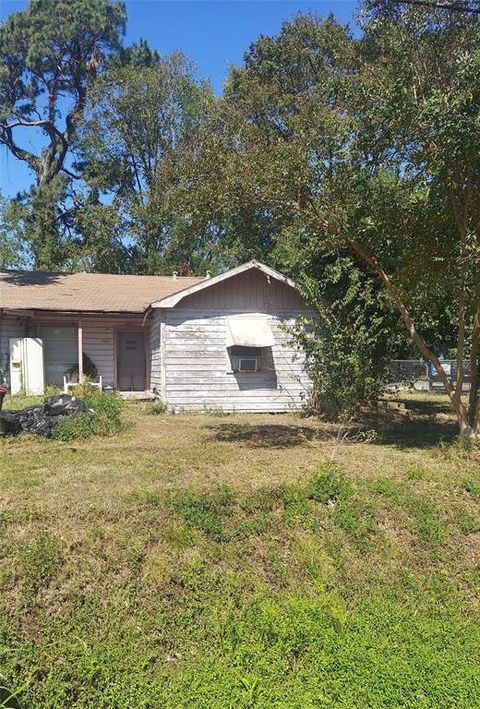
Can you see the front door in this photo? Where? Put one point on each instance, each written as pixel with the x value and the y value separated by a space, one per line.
pixel 131 361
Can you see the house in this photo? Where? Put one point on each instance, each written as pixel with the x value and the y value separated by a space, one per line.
pixel 220 342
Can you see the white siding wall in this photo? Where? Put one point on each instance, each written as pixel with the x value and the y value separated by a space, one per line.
pixel 99 345
pixel 9 327
pixel 198 373
pixel 99 341
pixel 155 344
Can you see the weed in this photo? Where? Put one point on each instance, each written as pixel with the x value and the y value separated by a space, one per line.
pixel 415 472
pixel 466 522
pixel 239 586
pixel 472 486
pixel 357 519
pixel 432 530
pixel 9 699
pixel 327 485
pixel 207 511
pixel 388 489
pixel 150 497
pixel 38 561
pixel 156 408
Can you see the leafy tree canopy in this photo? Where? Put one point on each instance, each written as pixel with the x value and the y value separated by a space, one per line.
pixel 371 145
pixel 140 129
pixel 50 53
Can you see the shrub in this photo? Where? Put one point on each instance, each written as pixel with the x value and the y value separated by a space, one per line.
pixel 104 418
pixel 89 370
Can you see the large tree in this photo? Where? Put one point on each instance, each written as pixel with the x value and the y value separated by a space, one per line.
pixel 50 53
pixel 371 145
pixel 139 134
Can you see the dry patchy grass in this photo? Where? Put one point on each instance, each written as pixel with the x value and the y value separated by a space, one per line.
pixel 199 560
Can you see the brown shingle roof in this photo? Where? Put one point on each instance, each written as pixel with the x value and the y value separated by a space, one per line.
pixel 86 292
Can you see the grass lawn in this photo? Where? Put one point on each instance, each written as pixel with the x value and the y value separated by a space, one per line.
pixel 224 561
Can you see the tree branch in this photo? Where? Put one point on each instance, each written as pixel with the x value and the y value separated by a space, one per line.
pixel 6 138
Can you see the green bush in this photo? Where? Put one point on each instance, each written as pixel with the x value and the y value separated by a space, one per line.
pixel 103 418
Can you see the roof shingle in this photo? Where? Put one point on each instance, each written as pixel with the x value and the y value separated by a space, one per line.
pixel 86 292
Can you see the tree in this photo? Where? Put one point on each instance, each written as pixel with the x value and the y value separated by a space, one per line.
pixel 426 108
pixel 12 253
pixel 50 53
pixel 139 131
pixel 371 145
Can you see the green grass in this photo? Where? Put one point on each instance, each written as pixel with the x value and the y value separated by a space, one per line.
pixel 194 562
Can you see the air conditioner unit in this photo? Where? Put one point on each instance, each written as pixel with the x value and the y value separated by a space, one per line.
pixel 247 364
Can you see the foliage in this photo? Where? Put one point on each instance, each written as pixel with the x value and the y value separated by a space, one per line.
pixel 349 161
pixel 140 167
pixel 50 53
pixel 12 250
pixel 327 486
pixel 156 408
pixel 89 369
pixel 340 145
pixel 351 342
pixel 104 418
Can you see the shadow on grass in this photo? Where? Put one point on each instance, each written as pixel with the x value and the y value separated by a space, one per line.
pixel 415 433
pixel 418 423
pixel 264 436
pixel 425 424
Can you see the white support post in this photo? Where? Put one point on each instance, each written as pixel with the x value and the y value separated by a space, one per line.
pixel 80 352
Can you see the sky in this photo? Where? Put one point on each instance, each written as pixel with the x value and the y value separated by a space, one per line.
pixel 214 34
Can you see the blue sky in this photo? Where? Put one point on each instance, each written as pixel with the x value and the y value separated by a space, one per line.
pixel 213 33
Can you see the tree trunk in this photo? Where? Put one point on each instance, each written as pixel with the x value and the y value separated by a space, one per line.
pixel 466 429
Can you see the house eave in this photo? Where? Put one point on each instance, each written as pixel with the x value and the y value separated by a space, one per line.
pixel 172 300
pixel 30 312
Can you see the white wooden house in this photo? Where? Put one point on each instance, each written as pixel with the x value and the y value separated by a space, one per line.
pixel 197 343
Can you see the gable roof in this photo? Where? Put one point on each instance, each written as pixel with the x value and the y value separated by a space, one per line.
pixel 86 292
pixel 173 299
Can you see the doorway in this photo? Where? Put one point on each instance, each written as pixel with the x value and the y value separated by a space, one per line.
pixel 131 361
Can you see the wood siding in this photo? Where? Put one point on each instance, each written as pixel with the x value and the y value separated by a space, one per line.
pixel 9 327
pixel 155 342
pixel 187 358
pixel 251 291
pixel 198 373
pixel 196 366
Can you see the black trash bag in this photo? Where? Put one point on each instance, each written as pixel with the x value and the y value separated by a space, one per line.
pixel 9 423
pixel 55 405
pixel 75 407
pixel 41 419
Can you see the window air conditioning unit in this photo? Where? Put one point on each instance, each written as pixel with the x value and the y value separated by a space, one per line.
pixel 247 364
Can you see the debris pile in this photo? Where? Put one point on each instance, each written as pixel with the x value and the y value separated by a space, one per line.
pixel 41 419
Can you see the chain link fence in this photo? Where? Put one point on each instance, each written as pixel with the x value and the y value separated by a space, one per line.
pixel 416 374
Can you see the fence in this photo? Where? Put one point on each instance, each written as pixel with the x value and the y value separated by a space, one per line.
pixel 420 375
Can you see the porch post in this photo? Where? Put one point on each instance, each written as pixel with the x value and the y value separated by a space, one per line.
pixel 80 351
